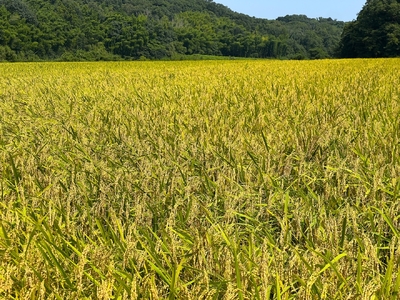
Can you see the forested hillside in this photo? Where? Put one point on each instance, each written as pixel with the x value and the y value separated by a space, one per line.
pixel 155 29
pixel 375 33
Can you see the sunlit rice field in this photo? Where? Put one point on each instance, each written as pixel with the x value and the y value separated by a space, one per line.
pixel 200 180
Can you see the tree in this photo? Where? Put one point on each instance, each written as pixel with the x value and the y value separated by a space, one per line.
pixel 156 29
pixel 375 33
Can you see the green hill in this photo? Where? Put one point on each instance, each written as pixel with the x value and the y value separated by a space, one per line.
pixel 156 29
pixel 375 33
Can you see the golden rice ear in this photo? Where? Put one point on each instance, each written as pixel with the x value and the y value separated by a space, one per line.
pixel 200 180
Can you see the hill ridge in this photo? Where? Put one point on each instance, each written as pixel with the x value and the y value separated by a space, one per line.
pixel 155 29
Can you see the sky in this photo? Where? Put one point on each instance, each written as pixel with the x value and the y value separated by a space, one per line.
pixel 342 10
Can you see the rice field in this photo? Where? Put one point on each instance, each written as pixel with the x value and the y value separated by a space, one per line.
pixel 200 180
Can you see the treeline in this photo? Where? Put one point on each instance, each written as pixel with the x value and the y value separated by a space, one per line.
pixel 155 29
pixel 375 33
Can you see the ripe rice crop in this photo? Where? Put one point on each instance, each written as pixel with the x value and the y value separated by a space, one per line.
pixel 200 180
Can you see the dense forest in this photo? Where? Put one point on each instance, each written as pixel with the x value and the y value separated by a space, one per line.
pixel 66 30
pixel 375 33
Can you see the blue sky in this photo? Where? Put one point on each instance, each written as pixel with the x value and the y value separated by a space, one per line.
pixel 342 10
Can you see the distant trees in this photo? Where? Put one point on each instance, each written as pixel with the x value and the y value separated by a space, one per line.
pixel 155 29
pixel 375 33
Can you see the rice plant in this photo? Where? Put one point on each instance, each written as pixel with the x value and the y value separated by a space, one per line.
pixel 200 180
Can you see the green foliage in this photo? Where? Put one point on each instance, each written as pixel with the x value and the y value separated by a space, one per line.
pixel 156 29
pixel 375 33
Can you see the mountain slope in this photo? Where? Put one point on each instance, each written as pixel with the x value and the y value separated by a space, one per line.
pixel 130 29
pixel 375 33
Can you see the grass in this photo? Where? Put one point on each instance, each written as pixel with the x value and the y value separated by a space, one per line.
pixel 200 180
